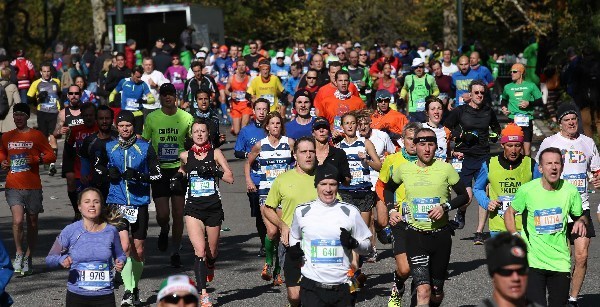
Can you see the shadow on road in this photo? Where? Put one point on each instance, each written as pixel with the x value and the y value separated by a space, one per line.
pixel 457 268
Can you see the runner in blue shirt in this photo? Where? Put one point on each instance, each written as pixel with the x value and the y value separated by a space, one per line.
pixel 461 80
pixel 302 124
pixel 134 93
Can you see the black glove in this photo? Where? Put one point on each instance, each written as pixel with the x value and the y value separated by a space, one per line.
pixel 101 170
pixel 347 240
pixel 469 137
pixel 42 96
pixel 131 174
pixel 176 183
pixel 214 172
pixel 114 174
pixel 142 101
pixel 296 253
pixel 494 137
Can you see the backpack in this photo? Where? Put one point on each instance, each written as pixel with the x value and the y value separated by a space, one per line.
pixel 411 86
pixel 22 69
pixel 4 106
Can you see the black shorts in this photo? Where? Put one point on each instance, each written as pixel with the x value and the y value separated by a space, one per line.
pixel 46 122
pixel 363 200
pixel 138 125
pixel 254 200
pixel 589 230
pixel 291 272
pixel 139 229
pixel 399 234
pixel 528 132
pixel 78 300
pixel 428 256
pixel 68 166
pixel 211 216
pixel 470 167
pixel 312 294
pixel 162 187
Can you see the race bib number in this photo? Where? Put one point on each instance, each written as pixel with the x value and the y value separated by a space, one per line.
pixel 420 105
pixel 422 206
pixel 239 95
pixel 548 221
pixel 18 163
pixel 131 104
pixel 270 98
pixel 274 170
pixel 130 213
pixel 522 120
pixel 201 187
pixel 506 201
pixel 262 200
pixel 578 180
pixel 328 252
pixel 337 123
pixel 356 170
pixel 457 164
pixel 461 101
pixel 519 94
pixel 93 276
pixel 168 152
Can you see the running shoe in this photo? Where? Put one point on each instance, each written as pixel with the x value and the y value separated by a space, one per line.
pixel 395 299
pixel 210 273
pixel 478 239
pixel 277 280
pixel 52 169
pixel 385 235
pixel 372 256
pixel 571 303
pixel 27 268
pixel 267 272
pixel 136 297
pixel 459 220
pixel 261 252
pixel 176 260
pixel 18 263
pixel 163 240
pixel 127 298
pixel 205 300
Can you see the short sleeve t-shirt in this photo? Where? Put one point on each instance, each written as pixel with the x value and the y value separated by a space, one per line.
pixel 426 187
pixel 269 90
pixel 514 93
pixel 545 213
pixel 295 130
pixel 284 193
pixel 167 134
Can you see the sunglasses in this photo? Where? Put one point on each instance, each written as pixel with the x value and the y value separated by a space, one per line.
pixel 506 272
pixel 215 47
pixel 478 92
pixel 363 54
pixel 514 71
pixel 174 299
pixel 310 78
pixel 73 93
pixel 421 66
pixel 381 100
pixel 340 53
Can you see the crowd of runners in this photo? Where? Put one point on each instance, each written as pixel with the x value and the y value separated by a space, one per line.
pixel 343 146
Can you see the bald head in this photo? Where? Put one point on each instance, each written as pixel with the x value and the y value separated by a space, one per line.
pixel 463 64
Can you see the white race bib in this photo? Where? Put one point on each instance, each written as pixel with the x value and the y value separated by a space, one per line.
pixel 326 252
pixel 548 221
pixel 200 187
pixel 422 206
pixel 93 276
pixel 578 180
pixel 130 213
pixel 457 164
pixel 506 201
pixel 521 120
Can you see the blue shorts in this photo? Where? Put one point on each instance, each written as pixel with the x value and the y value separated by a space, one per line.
pixel 471 166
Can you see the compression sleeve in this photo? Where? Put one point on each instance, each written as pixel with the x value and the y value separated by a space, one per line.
pixel 389 193
pixel 462 197
pixel 153 166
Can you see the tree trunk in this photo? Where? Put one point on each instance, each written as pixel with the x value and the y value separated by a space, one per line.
pixel 450 25
pixel 99 22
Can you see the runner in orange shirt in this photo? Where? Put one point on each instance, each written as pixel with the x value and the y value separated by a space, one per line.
pixel 341 102
pixel 329 89
pixel 241 108
pixel 386 119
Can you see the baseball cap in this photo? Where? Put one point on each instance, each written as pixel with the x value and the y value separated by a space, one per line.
pixel 223 48
pixel 512 133
pixel 357 45
pixel 280 55
pixel 176 283
pixel 383 94
pixel 201 55
pixel 340 50
pixel 417 61
pixel 325 171
pixel 204 49
pixel 503 250
pixel 167 89
pixel 125 116
pixel 23 108
pixel 74 50
pixel 321 122
pixel 564 109
pixel 403 46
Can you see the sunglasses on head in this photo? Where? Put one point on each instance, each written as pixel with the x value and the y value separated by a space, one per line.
pixel 174 299
pixel 508 272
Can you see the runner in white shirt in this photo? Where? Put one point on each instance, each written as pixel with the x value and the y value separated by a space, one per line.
pixel 154 79
pixel 324 274
pixel 434 109
pixel 448 68
pixel 580 155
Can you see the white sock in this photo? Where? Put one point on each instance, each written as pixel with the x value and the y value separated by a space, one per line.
pixel 572 299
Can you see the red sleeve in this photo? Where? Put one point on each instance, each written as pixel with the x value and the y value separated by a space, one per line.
pixel 374 70
pixel 354 90
pixel 317 100
pixel 43 146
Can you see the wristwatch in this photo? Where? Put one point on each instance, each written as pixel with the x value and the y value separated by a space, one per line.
pixel 446 207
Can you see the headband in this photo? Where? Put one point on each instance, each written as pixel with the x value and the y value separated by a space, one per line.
pixel 422 139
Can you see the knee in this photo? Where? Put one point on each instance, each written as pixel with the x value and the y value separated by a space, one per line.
pixel 17 221
pixel 581 257
pixel 403 271
pixel 272 233
pixel 294 295
pixel 423 292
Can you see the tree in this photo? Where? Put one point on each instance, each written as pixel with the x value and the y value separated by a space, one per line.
pixel 99 21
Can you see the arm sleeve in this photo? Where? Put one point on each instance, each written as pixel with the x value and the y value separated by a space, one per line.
pixel 576 209
pixel 504 98
pixel 452 122
pixel 481 182
pixel 186 90
pixel 494 124
pixel 56 256
pixel 147 132
pixel 274 197
pixel 153 165
pixel 462 197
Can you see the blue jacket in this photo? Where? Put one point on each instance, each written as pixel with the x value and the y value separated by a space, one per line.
pixel 248 136
pixel 140 157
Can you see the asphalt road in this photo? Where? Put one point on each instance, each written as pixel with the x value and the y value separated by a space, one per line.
pixel 237 278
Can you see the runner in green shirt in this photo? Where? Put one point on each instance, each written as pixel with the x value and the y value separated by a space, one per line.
pixel 546 203
pixel 518 99
pixel 428 239
pixel 167 129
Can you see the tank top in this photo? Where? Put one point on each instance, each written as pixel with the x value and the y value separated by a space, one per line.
pixel 392 88
pixel 201 191
pixel 273 162
pixel 238 88
pixel 361 179
pixel 72 120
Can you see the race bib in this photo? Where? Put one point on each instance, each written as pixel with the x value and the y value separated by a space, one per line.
pixel 282 74
pixel 578 180
pixel 130 213
pixel 548 221
pixel 461 101
pixel 18 163
pixel 420 105
pixel 337 123
pixel 506 201
pixel 328 252
pixel 422 206
pixel 270 98
pixel 239 95
pixel 93 276
pixel 201 187
pixel 356 170
pixel 168 152
pixel 262 200
pixel 457 164
pixel 521 120
pixel 274 170
pixel 131 104
pixel 519 94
